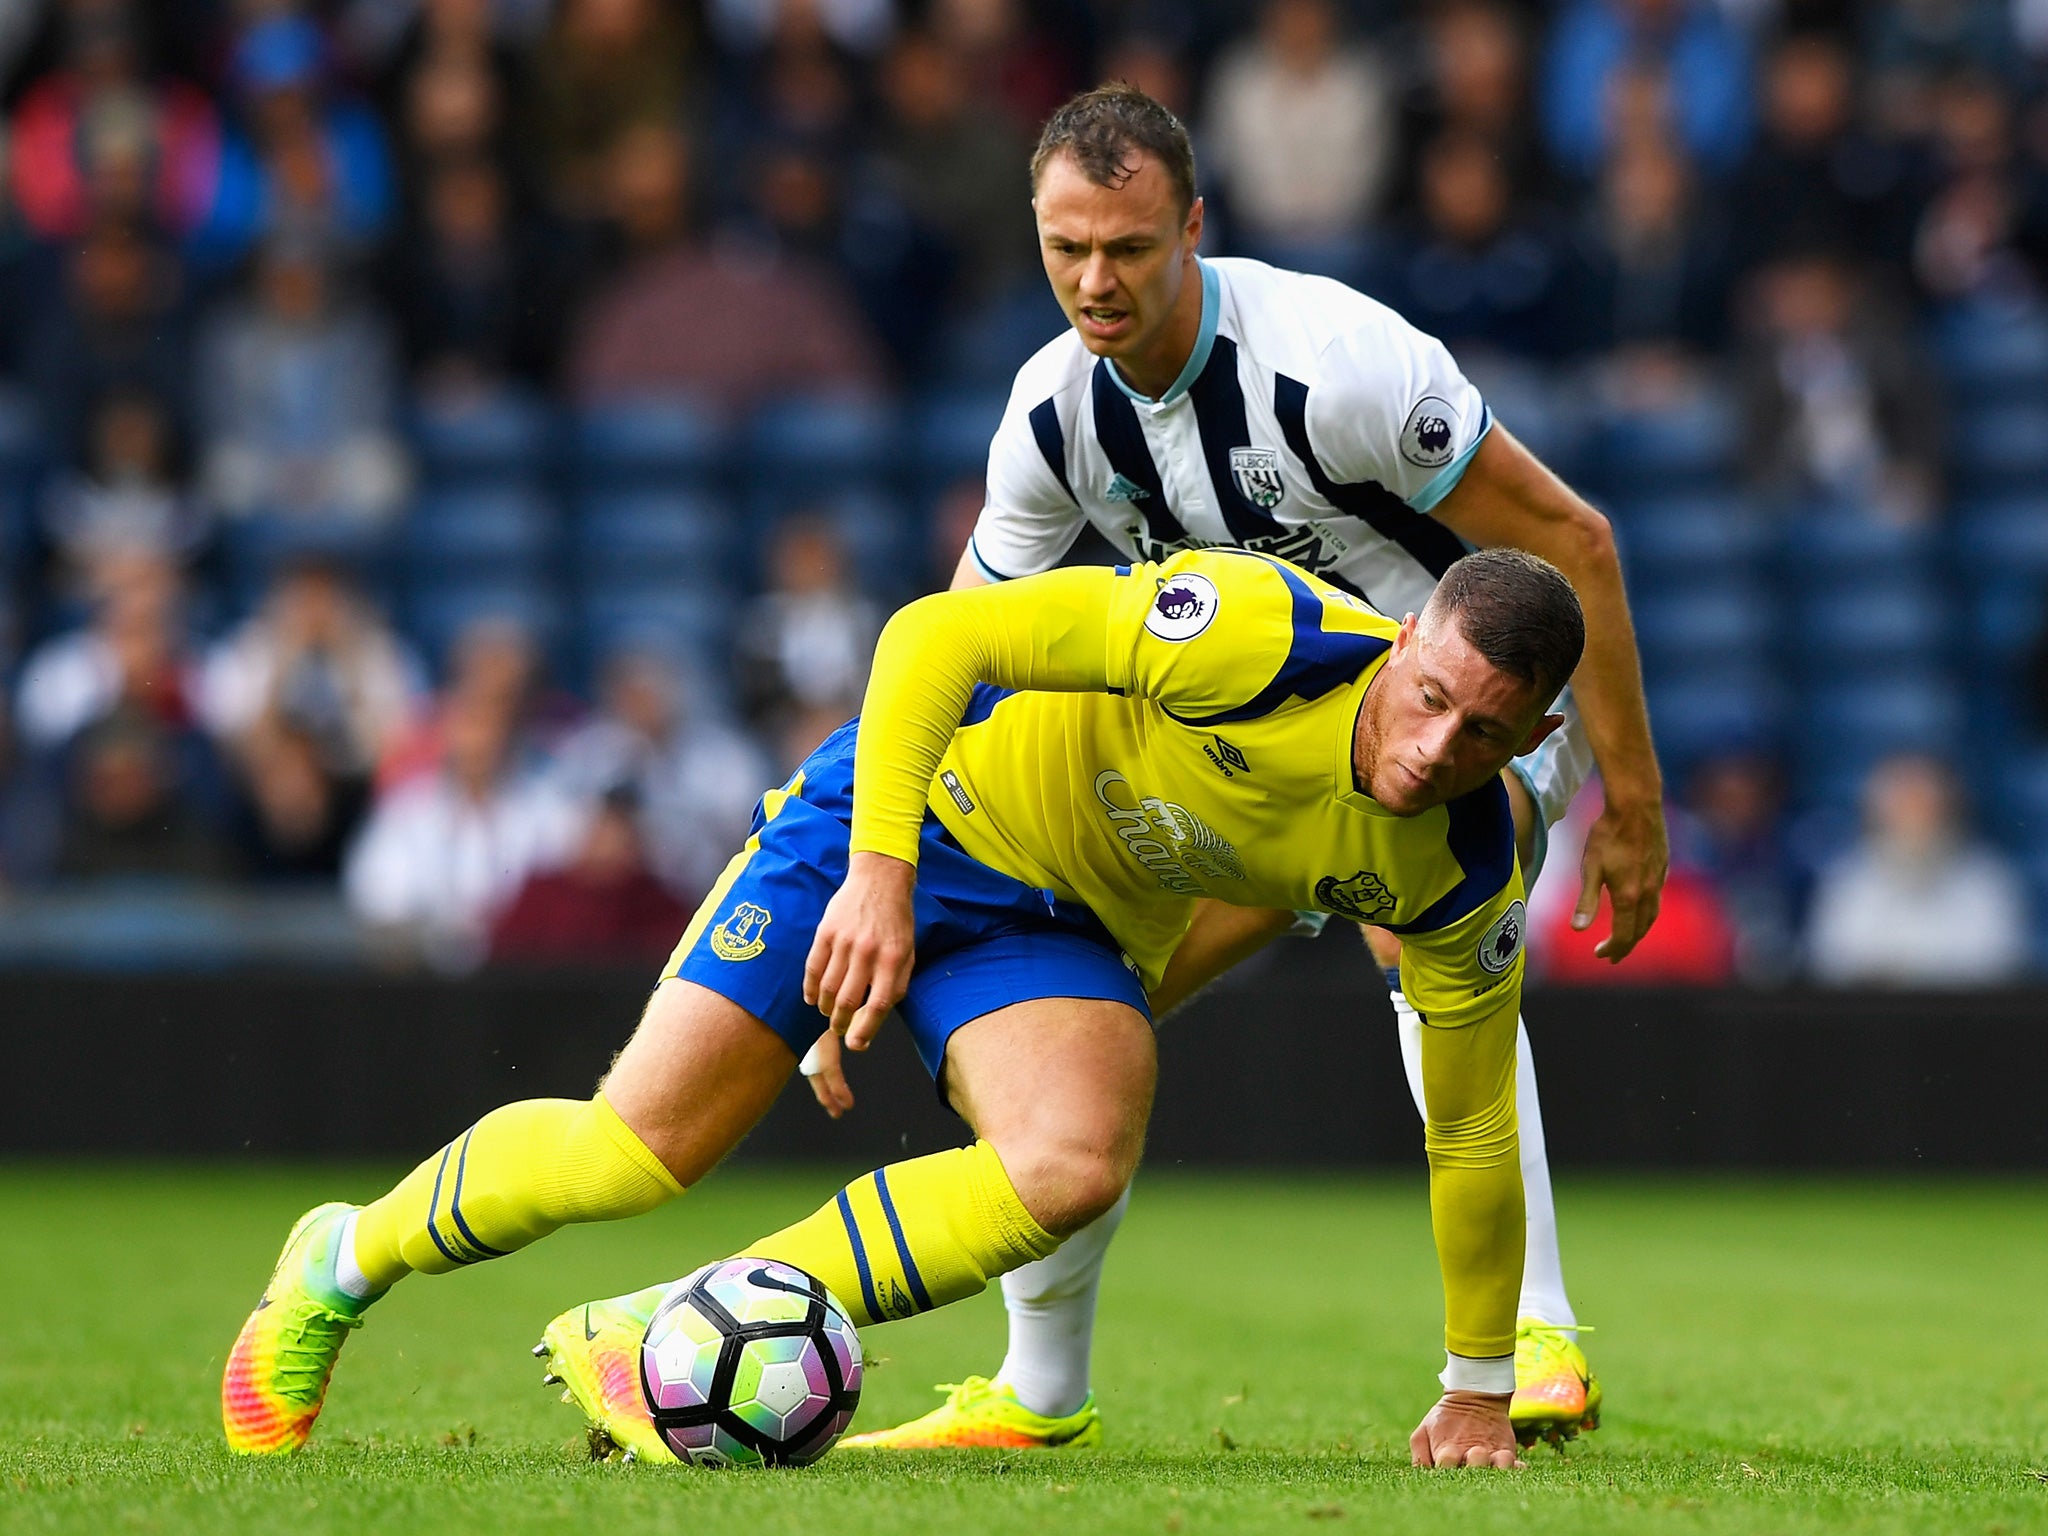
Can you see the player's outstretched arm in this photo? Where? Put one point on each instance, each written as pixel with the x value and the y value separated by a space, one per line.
pixel 1507 497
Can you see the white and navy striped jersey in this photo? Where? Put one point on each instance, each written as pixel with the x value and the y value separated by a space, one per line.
pixel 1311 422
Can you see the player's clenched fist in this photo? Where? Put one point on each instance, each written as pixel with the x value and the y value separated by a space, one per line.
pixel 1466 1429
pixel 861 958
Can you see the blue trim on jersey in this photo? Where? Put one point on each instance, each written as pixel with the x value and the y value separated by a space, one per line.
pixel 1317 660
pixel 982 703
pixel 988 571
pixel 1218 399
pixel 1447 478
pixel 1198 360
pixel 1052 443
pixel 1433 546
pixel 1481 838
pixel 917 1290
pixel 860 1259
pixel 1123 444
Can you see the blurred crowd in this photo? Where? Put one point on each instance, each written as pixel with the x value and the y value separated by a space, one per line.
pixel 459 452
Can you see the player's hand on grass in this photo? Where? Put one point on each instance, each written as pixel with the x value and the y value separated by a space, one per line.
pixel 1466 1429
pixel 824 1069
pixel 1627 852
pixel 861 957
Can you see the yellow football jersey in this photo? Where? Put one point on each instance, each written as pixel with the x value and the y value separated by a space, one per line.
pixel 1174 730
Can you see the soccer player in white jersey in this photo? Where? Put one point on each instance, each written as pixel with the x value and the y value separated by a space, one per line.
pixel 1226 402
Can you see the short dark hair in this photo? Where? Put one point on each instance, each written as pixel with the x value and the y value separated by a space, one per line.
pixel 1517 611
pixel 1107 128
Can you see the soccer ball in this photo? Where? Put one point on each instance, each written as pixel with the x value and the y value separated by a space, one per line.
pixel 749 1362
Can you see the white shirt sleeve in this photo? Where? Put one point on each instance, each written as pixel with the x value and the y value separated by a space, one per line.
pixel 1394 408
pixel 1029 520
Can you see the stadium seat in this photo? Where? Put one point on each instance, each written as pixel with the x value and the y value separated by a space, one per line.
pixel 1880 624
pixel 1698 714
pixel 2006 537
pixel 21 432
pixel 984 350
pixel 1835 546
pixel 502 436
pixel 1722 623
pixel 2007 619
pixel 480 531
pixel 691 623
pixel 642 537
pixel 1690 445
pixel 1848 726
pixel 803 447
pixel 950 434
pixel 1681 540
pixel 1992 350
pixel 438 612
pixel 1999 445
pixel 649 440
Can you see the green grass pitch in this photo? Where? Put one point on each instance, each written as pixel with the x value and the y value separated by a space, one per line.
pixel 1779 1357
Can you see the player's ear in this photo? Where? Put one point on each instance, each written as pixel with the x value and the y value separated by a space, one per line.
pixel 1192 229
pixel 1535 737
pixel 1405 637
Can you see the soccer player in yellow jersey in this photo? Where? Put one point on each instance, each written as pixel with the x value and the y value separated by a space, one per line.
pixel 1050 773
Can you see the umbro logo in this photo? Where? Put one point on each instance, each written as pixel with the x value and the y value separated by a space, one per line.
pixel 1227 759
pixel 1124 488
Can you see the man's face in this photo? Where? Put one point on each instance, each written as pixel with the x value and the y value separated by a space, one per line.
pixel 1440 720
pixel 1116 256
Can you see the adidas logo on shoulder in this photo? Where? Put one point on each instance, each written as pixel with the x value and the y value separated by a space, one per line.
pixel 1124 488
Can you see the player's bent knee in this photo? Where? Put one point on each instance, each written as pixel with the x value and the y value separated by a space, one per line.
pixel 1066 1186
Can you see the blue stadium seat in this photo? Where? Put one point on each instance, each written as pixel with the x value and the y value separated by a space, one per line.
pixel 480 531
pixel 687 621
pixel 629 538
pixel 21 432
pixel 2007 619
pixel 2019 796
pixel 949 435
pixel 801 447
pixel 1683 539
pixel 985 350
pixel 1690 445
pixel 1699 714
pixel 1718 624
pixel 2004 537
pixel 648 441
pixel 1999 445
pixel 1880 624
pixel 438 612
pixel 1848 726
pixel 1993 350
pixel 1833 546
pixel 501 436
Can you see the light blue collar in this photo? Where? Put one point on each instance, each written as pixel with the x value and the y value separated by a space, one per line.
pixel 1205 339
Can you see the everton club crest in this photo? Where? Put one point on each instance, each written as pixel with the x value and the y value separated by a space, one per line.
pixel 1257 473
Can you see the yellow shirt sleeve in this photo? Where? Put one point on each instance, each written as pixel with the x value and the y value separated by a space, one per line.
pixel 1202 633
pixel 1466 982
pixel 1046 632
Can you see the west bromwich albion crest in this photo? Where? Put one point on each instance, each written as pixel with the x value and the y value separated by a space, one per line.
pixel 1257 473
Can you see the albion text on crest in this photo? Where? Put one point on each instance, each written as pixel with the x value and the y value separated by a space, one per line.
pixel 1257 473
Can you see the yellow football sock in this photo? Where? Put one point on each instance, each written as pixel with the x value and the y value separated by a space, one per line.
pixel 914 1235
pixel 513 1177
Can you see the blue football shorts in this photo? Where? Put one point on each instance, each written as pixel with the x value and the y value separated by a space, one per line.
pixel 984 939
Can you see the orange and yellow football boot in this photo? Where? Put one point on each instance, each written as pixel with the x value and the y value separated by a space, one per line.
pixel 593 1354
pixel 277 1372
pixel 1556 1393
pixel 978 1412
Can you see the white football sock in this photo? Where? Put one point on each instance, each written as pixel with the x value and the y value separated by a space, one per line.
pixel 1052 1318
pixel 347 1276
pixel 1543 1293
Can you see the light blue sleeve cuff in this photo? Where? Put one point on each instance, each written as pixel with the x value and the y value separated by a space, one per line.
pixel 1447 478
pixel 988 572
